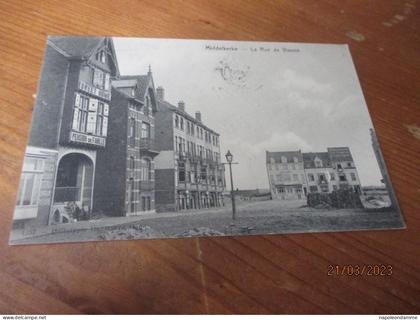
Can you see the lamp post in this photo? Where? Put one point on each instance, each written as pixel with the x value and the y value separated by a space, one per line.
pixel 229 159
pixel 198 180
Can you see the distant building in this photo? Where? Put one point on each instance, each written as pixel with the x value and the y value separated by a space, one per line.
pixel 69 126
pixel 293 174
pixel 125 183
pixel 253 194
pixel 188 171
pixel 381 162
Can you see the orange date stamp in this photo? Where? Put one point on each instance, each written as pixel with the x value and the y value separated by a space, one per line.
pixel 376 270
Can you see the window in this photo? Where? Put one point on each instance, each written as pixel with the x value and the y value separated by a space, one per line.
pixel 353 176
pixel 182 124
pixel 311 177
pixel 348 164
pixel 181 172
pixel 80 115
pixel 101 56
pixel 30 182
pixel 332 176
pixel 98 78
pixel 313 189
pixel 318 162
pixel 203 175
pixel 145 130
pixel 176 121
pixel 133 92
pixel 132 164
pixel 148 108
pixel 100 119
pixel 295 160
pixel 339 167
pixel 283 159
pixel 146 170
pixel 321 177
pixel 132 195
pixel 343 177
pixel 192 128
pixel 145 203
pixel 280 189
pixel 132 128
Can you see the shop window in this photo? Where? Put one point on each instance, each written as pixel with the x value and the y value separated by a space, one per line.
pixel 313 189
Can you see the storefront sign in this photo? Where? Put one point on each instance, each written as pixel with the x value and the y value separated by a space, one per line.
pixel 85 138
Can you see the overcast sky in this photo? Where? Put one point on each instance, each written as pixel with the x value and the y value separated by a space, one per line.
pixel 259 100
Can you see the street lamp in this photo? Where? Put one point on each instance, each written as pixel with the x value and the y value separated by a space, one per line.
pixel 229 159
pixel 198 180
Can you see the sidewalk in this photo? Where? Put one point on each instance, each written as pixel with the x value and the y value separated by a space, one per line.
pixel 103 223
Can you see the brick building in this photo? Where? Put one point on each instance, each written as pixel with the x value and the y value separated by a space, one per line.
pixel 125 167
pixel 69 126
pixel 188 171
pixel 294 174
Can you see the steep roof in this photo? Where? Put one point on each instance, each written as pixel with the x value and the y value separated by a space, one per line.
pixel 166 105
pixel 116 91
pixel 290 155
pixel 309 159
pixel 74 46
pixel 142 82
pixel 82 47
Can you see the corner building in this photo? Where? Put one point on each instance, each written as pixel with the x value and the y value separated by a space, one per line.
pixel 188 170
pixel 294 174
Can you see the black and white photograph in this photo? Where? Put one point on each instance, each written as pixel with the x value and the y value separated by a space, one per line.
pixel 142 138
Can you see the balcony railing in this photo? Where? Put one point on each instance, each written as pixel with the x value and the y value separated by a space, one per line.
pixel 147 185
pixel 147 144
pixel 66 194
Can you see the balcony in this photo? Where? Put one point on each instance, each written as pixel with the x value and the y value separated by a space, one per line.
pixel 148 145
pixel 147 185
pixel 66 194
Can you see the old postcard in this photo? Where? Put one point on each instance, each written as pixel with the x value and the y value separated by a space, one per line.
pixel 154 138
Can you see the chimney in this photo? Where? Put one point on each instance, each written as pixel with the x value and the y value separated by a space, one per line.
pixel 198 116
pixel 160 93
pixel 181 106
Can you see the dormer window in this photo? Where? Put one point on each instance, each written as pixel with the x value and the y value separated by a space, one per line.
pixel 318 162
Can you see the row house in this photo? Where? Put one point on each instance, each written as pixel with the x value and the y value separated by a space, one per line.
pixel 293 174
pixel 125 180
pixel 69 127
pixel 188 169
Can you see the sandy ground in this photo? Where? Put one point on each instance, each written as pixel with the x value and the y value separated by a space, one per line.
pixel 266 217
